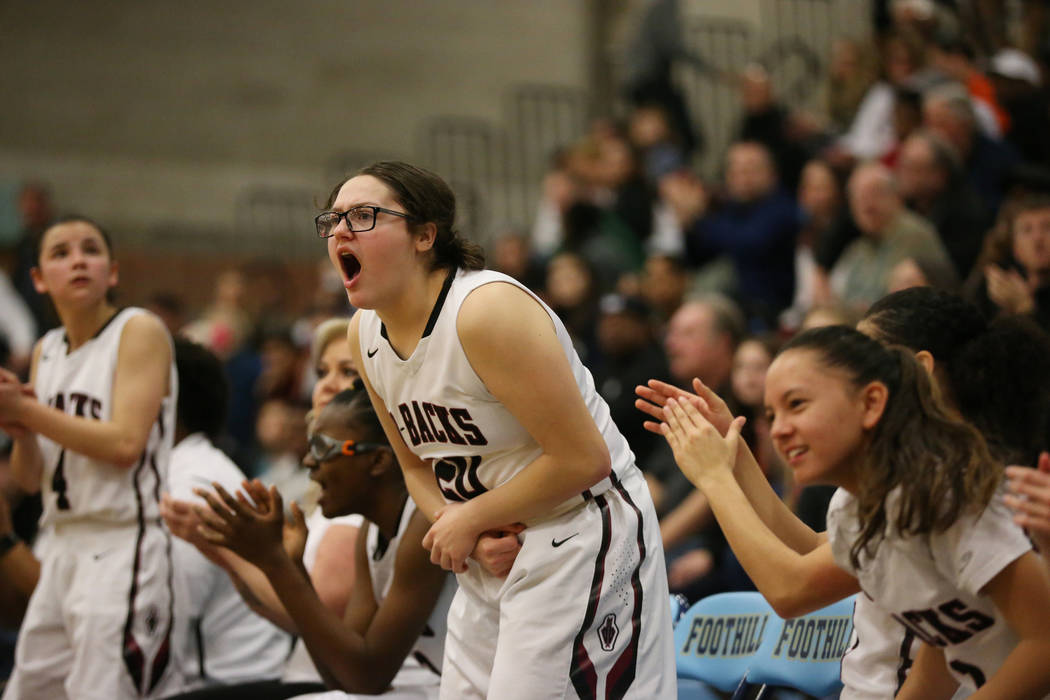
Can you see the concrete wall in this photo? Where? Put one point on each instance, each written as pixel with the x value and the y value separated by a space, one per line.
pixel 151 114
pixel 162 118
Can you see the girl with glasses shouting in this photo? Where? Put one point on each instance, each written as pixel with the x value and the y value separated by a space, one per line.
pixel 496 423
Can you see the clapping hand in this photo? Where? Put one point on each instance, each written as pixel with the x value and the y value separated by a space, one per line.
pixel 1029 498
pixel 253 531
pixel 653 398
pixel 699 448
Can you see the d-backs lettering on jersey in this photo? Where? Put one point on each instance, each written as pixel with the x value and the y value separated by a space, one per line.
pixel 932 583
pixel 445 412
pixel 424 421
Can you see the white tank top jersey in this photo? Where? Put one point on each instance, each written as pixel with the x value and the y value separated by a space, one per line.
pixel 220 639
pixel 429 649
pixel 880 655
pixel 447 415
pixel 931 583
pixel 80 383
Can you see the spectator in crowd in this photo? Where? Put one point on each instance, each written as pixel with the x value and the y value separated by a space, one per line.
pixel 822 205
pixel 629 354
pixel 1013 275
pixel 771 124
pixel 36 211
pixel 1019 86
pixel 890 234
pixel 664 283
pixel 871 134
pixel 756 227
pixel 512 255
pixel 656 47
pixel 701 340
pixel 851 73
pixel 597 204
pixel 956 58
pixel 17 326
pixel 572 291
pixel 933 185
pixel 948 111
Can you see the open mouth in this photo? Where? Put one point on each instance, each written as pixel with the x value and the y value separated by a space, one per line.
pixel 351 266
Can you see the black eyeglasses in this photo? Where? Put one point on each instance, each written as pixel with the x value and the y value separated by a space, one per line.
pixel 358 219
pixel 324 448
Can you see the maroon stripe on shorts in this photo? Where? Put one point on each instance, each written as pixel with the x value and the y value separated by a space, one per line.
pixel 584 677
pixel 622 674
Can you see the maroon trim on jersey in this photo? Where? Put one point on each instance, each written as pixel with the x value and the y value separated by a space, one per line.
pixel 623 671
pixel 134 657
pixel 104 326
pixel 418 656
pixel 584 677
pixel 439 304
pixel 905 658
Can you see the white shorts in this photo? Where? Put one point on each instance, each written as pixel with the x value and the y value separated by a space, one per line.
pixel 99 621
pixel 583 612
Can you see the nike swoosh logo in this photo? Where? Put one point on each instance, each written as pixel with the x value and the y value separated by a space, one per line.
pixel 373 352
pixel 558 543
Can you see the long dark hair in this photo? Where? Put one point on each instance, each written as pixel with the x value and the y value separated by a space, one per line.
pixel 426 198
pixel 996 374
pixel 940 466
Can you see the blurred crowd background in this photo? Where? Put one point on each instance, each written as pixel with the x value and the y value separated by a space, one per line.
pixel 685 182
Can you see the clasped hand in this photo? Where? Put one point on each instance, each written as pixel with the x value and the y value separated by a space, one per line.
pixel 12 393
pixel 453 537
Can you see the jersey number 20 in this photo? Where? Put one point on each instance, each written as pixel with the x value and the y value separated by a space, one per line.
pixel 457 477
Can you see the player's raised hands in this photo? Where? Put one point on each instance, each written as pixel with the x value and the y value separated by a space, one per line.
pixel 496 550
pixel 653 397
pixel 293 536
pixel 254 531
pixel 451 538
pixel 1029 497
pixel 700 449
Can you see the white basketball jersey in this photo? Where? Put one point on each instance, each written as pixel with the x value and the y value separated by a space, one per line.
pixel 447 415
pixel 931 584
pixel 219 638
pixel 429 649
pixel 879 657
pixel 80 383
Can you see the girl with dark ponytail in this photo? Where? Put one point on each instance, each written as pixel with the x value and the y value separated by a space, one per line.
pixel 914 520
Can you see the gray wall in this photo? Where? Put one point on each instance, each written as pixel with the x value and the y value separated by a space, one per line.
pixel 162 114
pixel 194 124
